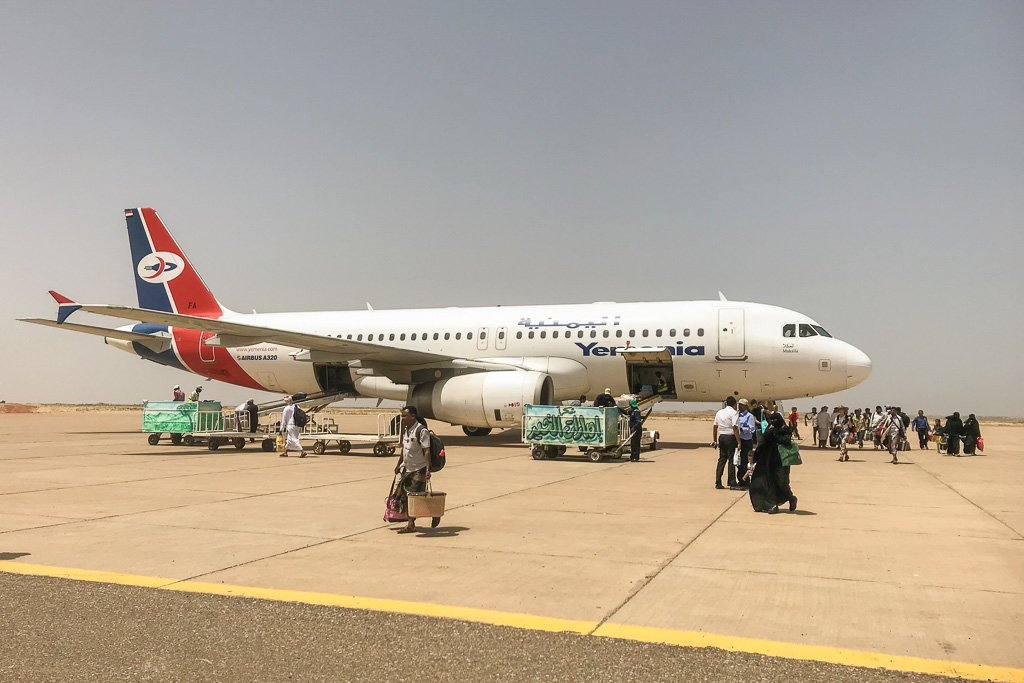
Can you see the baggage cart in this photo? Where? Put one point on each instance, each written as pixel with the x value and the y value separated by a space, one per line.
pixel 325 431
pixel 180 419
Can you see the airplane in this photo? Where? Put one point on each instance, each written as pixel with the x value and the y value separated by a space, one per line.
pixel 472 367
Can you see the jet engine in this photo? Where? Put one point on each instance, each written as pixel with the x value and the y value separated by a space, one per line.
pixel 483 399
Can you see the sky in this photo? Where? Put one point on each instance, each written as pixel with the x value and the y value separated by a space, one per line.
pixel 859 162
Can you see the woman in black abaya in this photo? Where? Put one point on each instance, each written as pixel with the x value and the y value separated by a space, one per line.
pixel 769 483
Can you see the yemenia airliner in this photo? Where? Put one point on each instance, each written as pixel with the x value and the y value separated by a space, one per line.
pixel 474 367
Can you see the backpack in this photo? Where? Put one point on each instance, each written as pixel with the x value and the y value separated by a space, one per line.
pixel 300 418
pixel 437 457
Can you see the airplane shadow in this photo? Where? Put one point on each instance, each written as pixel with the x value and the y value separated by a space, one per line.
pixel 12 556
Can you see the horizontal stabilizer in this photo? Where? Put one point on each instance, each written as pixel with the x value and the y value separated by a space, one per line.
pixel 155 342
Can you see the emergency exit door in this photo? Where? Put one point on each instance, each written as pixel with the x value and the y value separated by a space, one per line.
pixel 731 342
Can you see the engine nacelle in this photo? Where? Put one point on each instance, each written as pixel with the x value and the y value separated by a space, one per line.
pixel 483 399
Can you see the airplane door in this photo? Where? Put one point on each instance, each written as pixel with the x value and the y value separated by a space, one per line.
pixel 731 342
pixel 500 340
pixel 481 339
pixel 206 352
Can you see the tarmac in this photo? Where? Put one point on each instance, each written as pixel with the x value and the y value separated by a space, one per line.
pixel 125 561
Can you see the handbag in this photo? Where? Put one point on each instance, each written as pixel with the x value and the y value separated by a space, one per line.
pixel 393 508
pixel 790 455
pixel 981 444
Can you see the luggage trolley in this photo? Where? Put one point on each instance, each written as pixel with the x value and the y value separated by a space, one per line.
pixel 181 420
pixel 325 431
pixel 550 430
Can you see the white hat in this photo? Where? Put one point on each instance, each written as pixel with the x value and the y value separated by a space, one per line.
pixel 176 386
pixel 608 391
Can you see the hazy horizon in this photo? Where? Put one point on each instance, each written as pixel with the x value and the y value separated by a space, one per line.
pixel 860 163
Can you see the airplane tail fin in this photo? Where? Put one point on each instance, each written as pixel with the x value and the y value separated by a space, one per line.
pixel 164 278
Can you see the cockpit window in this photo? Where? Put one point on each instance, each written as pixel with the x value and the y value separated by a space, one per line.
pixel 789 330
pixel 807 330
pixel 821 330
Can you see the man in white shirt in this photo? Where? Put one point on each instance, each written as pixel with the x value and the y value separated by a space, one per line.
pixel 414 462
pixel 824 427
pixel 726 436
pixel 291 430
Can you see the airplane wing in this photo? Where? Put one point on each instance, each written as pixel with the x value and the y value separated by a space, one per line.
pixel 233 334
pixel 155 342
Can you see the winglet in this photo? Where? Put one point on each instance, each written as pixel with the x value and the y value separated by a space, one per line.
pixel 65 306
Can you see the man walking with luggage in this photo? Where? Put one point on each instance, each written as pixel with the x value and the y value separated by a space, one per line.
pixel 726 436
pixel 414 462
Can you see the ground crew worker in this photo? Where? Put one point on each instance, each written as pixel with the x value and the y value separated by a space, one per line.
pixel 636 428
pixel 179 395
pixel 194 396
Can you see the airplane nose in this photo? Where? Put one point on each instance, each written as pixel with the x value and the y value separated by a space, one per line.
pixel 858 366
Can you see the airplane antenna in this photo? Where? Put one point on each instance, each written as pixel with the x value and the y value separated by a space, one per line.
pixel 721 297
pixel 368 306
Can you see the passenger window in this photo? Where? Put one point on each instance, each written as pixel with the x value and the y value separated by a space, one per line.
pixel 593 334
pixel 700 331
pixel 554 334
pixel 618 333
pixel 606 334
pixel 435 336
pixel 672 332
pixel 501 334
pixel 447 336
pixel 644 333
pixel 348 337
pixel 807 331
pixel 402 336
pixel 391 337
pixel 519 335
pixel 543 334
pixel 530 335
pixel 686 332
pixel 359 338
pixel 632 333
pixel 483 335
pixel 458 336
pixel 580 334
pixel 469 335
pixel 657 333
pixel 789 330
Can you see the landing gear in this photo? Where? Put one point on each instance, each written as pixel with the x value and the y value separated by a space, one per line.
pixel 476 431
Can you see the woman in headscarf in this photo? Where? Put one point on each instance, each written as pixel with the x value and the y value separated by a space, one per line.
pixel 769 481
pixel 953 429
pixel 972 432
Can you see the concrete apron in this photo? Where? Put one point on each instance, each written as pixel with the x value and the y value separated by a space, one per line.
pixel 918 567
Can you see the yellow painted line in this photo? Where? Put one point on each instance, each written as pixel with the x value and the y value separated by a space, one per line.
pixel 817 653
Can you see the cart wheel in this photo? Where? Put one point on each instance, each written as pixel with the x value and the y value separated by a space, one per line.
pixel 617 455
pixel 176 439
pixel 595 456
pixel 380 449
pixel 537 452
pixel 654 444
pixel 391 450
pixel 213 443
pixel 344 446
pixel 319 447
pixel 239 442
pixel 559 450
pixel 551 452
pixel 188 440
pixel 267 445
pixel 153 439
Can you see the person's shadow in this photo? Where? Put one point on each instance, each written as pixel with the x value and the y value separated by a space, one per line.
pixel 441 531
pixel 12 556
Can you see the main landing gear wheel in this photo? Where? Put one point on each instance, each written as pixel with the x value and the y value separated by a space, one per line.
pixel 267 445
pixel 344 446
pixel 239 442
pixel 380 449
pixel 153 439
pixel 476 431
pixel 319 447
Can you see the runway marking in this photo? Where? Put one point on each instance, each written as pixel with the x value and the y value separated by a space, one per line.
pixel 645 634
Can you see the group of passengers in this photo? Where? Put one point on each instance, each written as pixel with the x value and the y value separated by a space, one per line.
pixel 889 430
